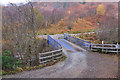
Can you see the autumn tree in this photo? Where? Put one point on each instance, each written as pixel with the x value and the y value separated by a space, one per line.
pixel 100 10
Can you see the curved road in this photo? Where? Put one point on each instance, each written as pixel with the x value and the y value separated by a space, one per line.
pixel 78 64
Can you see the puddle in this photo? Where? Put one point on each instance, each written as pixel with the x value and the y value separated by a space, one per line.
pixel 78 50
pixel 69 51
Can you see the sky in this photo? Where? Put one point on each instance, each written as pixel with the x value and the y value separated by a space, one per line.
pixel 20 1
pixel 11 1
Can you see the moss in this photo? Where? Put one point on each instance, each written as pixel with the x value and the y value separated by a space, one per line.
pixel 4 72
pixel 63 58
pixel 40 66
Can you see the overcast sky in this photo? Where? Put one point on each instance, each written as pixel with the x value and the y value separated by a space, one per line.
pixel 11 1
pixel 19 1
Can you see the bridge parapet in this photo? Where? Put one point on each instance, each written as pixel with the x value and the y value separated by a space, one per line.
pixel 82 43
pixel 106 48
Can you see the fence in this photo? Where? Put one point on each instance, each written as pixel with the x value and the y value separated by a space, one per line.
pixel 108 48
pixel 80 42
pixel 50 56
pixel 54 43
pixel 46 57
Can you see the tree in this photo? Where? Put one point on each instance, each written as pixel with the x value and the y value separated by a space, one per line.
pixel 20 26
pixel 100 10
pixel 57 15
pixel 109 29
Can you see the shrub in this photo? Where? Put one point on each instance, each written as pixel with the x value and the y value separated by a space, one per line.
pixel 35 67
pixel 27 67
pixel 9 62
pixel 99 50
pixel 69 27
pixel 40 66
pixel 19 69
pixel 106 51
pixel 4 72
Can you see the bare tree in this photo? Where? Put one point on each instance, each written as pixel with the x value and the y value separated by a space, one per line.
pixel 20 30
pixel 109 30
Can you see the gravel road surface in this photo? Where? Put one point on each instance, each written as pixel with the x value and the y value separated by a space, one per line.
pixel 78 64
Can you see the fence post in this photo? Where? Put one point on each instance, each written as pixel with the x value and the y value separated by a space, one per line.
pixel 48 38
pixel 117 46
pixel 53 45
pixel 102 46
pixel 52 57
pixel 39 58
pixel 69 37
pixel 90 46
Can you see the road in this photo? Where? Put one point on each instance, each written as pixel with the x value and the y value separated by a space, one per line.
pixel 78 64
pixel 56 36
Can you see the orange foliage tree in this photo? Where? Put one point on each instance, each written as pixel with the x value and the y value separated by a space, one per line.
pixel 100 10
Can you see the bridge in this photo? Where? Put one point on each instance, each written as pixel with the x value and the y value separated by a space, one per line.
pixel 103 48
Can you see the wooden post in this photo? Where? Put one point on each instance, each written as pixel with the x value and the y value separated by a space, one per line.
pixel 40 59
pixel 52 57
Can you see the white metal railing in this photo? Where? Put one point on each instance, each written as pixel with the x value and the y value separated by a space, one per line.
pixel 111 48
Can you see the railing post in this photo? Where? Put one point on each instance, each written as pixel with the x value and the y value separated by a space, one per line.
pixel 117 46
pixel 90 46
pixel 64 35
pixel 52 57
pixel 39 58
pixel 54 45
pixel 102 46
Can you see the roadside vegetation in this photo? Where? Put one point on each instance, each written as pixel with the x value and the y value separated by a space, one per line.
pixel 12 61
pixel 20 43
pixel 93 38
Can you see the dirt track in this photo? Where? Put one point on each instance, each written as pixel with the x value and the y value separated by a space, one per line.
pixel 78 64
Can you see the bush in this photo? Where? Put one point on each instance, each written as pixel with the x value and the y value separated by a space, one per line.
pixel 99 50
pixel 19 69
pixel 106 51
pixel 27 67
pixel 9 62
pixel 4 72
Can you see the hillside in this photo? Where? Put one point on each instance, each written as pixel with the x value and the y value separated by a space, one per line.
pixel 82 17
pixel 80 25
